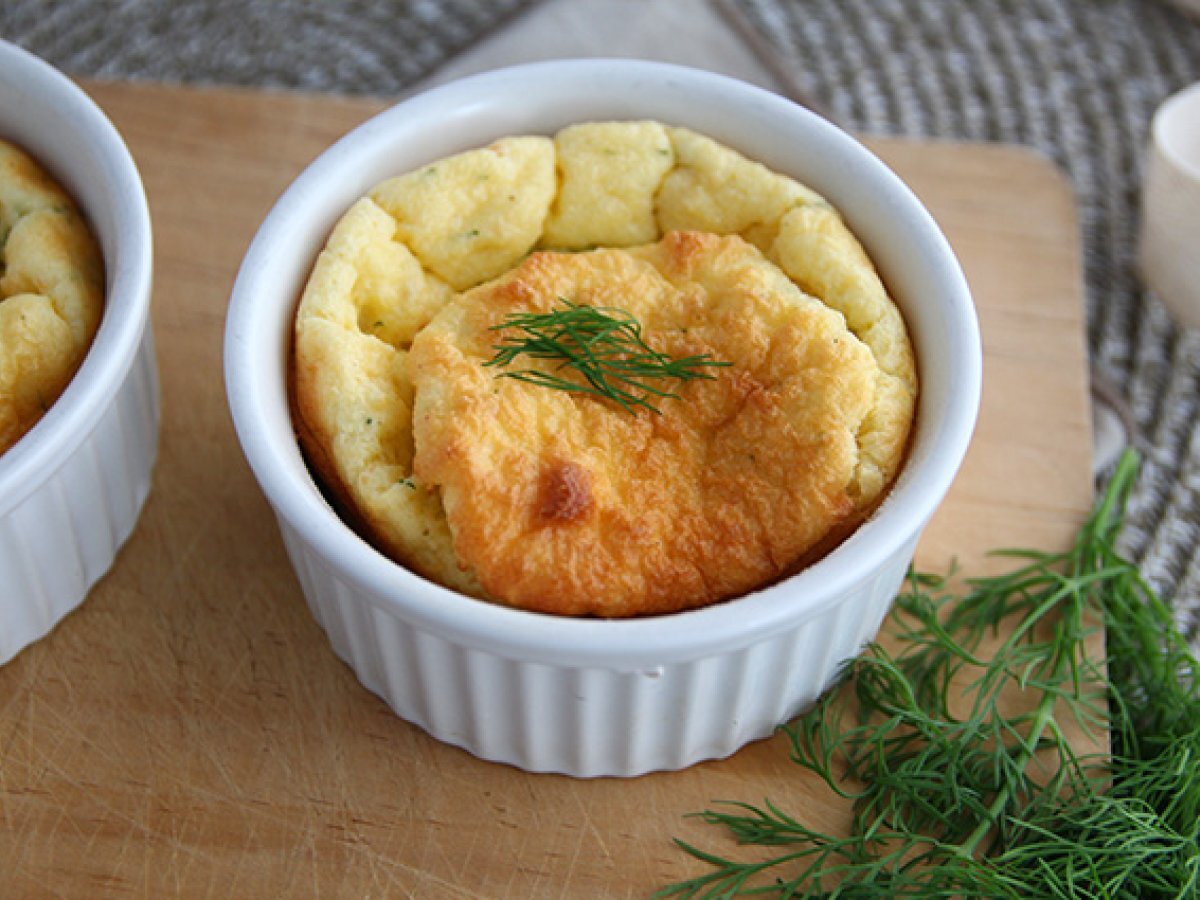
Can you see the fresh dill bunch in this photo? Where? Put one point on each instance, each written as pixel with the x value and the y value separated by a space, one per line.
pixel 951 795
pixel 603 346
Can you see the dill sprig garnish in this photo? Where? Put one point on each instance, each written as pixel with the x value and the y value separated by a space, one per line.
pixel 951 795
pixel 603 346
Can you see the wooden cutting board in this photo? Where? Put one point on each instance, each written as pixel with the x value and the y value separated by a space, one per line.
pixel 188 731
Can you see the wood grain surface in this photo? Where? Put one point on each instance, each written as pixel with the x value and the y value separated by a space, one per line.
pixel 188 732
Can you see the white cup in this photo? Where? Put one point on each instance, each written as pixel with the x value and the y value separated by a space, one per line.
pixel 1169 247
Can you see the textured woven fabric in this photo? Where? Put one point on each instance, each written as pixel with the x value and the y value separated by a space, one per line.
pixel 1079 80
pixel 350 46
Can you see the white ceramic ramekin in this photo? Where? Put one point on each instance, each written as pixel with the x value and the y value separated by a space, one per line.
pixel 72 488
pixel 1170 208
pixel 580 696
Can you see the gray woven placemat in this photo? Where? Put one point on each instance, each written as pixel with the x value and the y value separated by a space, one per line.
pixel 348 46
pixel 1079 80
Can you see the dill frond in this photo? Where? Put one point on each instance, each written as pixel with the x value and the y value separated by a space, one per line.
pixel 954 797
pixel 603 346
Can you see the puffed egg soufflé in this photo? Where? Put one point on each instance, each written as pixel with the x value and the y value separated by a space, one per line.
pixel 51 291
pixel 621 371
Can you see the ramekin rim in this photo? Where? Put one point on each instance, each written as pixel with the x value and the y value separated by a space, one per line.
pixel 639 642
pixel 1165 124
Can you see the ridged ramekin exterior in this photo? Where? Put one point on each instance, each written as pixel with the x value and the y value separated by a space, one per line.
pixel 64 535
pixel 590 721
